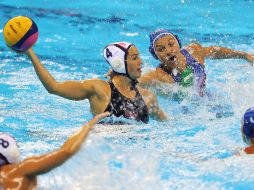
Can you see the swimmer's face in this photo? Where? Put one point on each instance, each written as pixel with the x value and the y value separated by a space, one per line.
pixel 167 49
pixel 134 63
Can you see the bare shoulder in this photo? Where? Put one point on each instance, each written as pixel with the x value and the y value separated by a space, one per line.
pixel 95 81
pixel 197 51
pixel 98 85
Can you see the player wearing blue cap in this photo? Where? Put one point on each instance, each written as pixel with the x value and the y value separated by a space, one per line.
pixel 15 175
pixel 247 130
pixel 185 66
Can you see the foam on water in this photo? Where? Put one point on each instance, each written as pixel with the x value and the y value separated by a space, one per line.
pixel 195 149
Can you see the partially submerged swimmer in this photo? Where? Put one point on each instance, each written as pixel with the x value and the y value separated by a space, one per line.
pixel 22 175
pixel 183 65
pixel 126 64
pixel 119 96
pixel 247 130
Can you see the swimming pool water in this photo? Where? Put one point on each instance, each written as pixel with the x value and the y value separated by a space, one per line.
pixel 194 150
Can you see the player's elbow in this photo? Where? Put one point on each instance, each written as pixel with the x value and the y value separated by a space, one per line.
pixel 53 89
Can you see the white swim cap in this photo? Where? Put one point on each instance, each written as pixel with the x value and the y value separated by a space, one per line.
pixel 116 55
pixel 9 152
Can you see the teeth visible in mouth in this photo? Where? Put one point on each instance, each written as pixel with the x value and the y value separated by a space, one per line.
pixel 172 58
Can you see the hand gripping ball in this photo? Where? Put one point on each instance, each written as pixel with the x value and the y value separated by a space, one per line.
pixel 20 33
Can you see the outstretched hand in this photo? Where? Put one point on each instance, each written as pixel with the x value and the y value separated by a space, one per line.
pixel 98 118
pixel 102 115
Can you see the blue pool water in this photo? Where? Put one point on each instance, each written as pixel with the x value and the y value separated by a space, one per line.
pixel 194 150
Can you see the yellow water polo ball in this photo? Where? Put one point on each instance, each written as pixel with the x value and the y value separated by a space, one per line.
pixel 20 33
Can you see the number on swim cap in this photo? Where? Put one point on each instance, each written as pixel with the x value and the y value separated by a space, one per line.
pixel 108 53
pixel 8 149
pixel 4 143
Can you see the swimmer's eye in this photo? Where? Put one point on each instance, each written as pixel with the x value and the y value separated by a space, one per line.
pixel 171 44
pixel 160 49
pixel 135 57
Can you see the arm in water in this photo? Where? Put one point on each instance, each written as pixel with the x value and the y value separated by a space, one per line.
pixel 41 164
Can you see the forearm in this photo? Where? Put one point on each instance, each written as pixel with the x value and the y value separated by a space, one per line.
pixel 74 142
pixel 41 164
pixel 45 77
pixel 216 52
pixel 37 165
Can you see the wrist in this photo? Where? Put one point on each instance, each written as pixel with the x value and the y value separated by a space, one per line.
pixel 29 52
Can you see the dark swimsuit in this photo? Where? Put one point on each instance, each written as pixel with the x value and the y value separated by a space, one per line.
pixel 197 69
pixel 119 105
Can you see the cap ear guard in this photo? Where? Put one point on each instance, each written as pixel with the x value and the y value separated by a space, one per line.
pixel 115 58
pixel 178 40
pixel 116 55
pixel 246 140
pixel 244 137
pixel 151 49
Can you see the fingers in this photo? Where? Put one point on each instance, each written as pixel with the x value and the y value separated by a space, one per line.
pixel 102 115
pixel 98 118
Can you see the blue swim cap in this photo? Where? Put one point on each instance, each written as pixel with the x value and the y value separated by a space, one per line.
pixel 248 124
pixel 157 34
